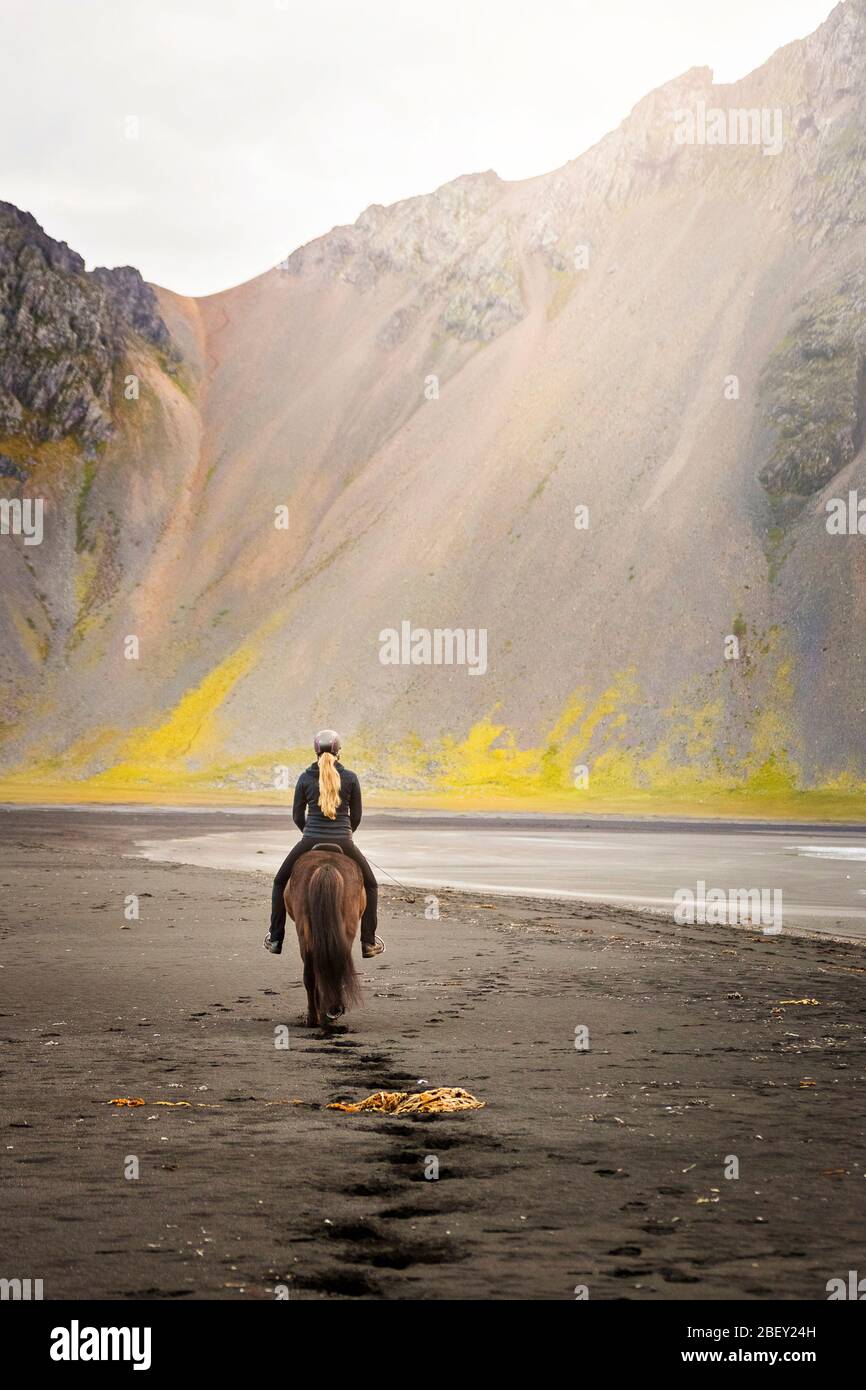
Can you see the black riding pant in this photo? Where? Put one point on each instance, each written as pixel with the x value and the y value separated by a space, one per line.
pixel 308 842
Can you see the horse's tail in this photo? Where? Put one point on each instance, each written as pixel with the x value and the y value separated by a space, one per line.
pixel 336 978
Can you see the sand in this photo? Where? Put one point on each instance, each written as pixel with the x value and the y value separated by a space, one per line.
pixel 600 1168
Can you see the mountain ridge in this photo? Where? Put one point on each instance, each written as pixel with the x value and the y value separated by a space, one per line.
pixel 558 384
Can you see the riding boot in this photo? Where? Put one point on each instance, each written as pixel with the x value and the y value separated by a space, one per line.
pixel 278 917
pixel 369 918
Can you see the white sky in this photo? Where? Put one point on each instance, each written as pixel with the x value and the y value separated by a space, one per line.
pixel 263 123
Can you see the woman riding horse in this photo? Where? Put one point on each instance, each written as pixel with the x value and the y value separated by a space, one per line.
pixel 327 809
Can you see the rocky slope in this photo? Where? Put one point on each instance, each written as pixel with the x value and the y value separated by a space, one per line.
pixel 398 424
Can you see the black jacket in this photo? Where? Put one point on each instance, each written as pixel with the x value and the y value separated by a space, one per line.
pixel 308 817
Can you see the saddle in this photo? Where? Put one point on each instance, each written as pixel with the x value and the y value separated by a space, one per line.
pixel 328 844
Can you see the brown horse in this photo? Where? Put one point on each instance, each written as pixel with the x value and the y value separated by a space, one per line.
pixel 325 899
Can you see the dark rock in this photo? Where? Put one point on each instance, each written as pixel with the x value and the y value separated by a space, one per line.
pixel 813 392
pixel 450 245
pixel 136 303
pixel 10 469
pixel 64 333
pixel 398 327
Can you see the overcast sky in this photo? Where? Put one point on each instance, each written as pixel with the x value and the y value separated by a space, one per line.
pixel 261 124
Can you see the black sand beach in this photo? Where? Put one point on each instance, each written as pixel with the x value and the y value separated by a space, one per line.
pixel 603 1168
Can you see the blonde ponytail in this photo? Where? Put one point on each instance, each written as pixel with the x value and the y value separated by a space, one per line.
pixel 329 785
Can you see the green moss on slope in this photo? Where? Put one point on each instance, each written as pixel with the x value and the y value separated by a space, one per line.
pixel 812 390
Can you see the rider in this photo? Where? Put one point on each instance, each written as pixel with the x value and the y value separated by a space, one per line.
pixel 327 808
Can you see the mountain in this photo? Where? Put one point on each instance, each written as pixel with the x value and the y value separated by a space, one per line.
pixel 598 415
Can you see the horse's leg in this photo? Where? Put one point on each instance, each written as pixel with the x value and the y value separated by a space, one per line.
pixel 302 927
pixel 310 987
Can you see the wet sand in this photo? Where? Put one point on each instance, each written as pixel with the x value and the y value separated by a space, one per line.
pixel 602 1168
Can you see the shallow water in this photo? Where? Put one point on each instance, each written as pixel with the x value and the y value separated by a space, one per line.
pixel 821 876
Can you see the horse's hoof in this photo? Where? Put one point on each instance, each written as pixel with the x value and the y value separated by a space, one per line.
pixel 332 1018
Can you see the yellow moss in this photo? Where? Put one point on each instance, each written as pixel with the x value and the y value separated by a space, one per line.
pixel 84 577
pixel 33 644
pixel 820 804
pixel 160 753
pixel 695 731
pixel 75 760
pixel 564 286
pixel 58 454
pixel 489 755
pixel 770 767
pixel 684 765
pixel 83 588
pixel 178 760
pixel 478 762
pixel 702 727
